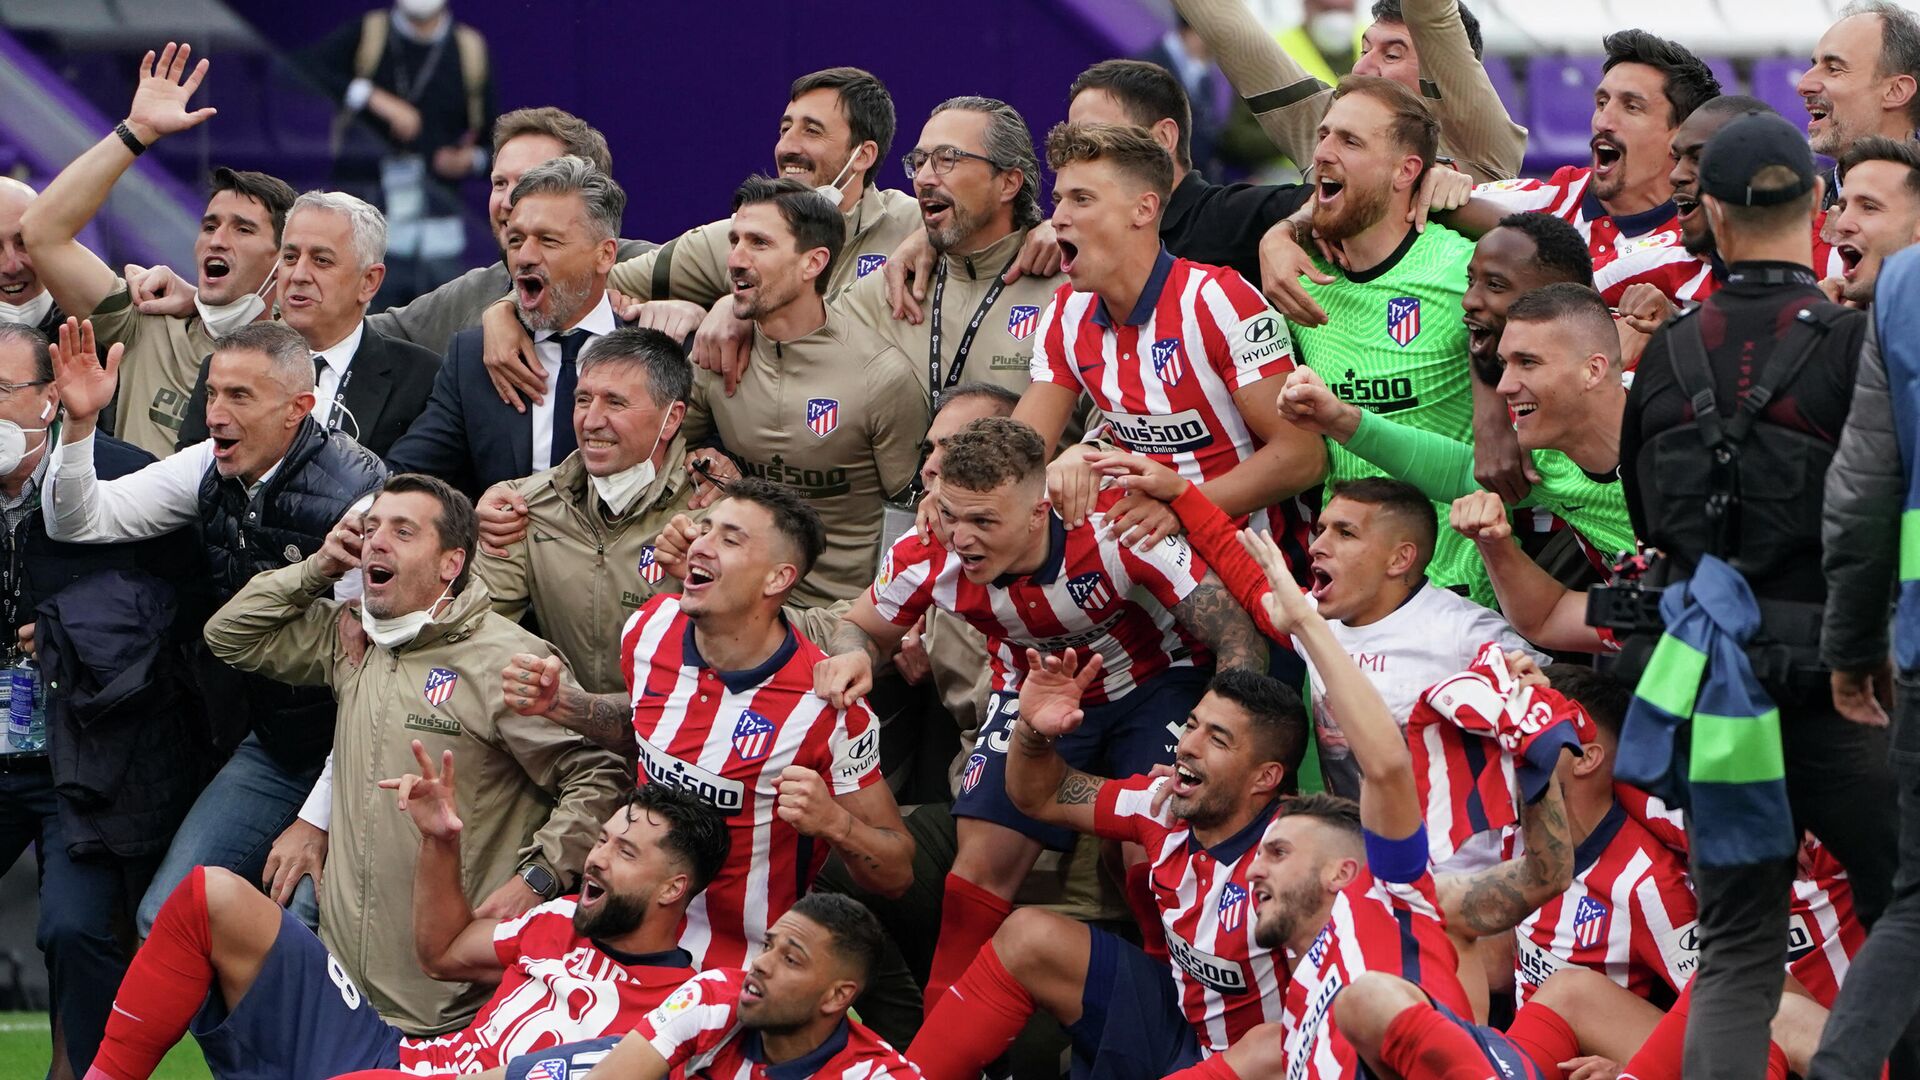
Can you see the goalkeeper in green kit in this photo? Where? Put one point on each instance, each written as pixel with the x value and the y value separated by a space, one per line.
pixel 1393 343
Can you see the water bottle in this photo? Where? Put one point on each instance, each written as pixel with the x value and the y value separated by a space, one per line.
pixel 27 710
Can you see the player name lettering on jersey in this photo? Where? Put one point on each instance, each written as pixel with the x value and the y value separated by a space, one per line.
pixel 1214 972
pixel 727 796
pixel 1182 432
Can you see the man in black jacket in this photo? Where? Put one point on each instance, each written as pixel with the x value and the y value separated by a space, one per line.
pixel 95 856
pixel 1768 347
pixel 264 490
pixel 366 384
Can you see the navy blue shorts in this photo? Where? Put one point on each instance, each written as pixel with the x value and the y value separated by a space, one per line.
pixel 1131 1025
pixel 567 1061
pixel 1120 738
pixel 1506 1058
pixel 304 1019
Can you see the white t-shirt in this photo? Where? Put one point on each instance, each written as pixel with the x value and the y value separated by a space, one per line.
pixel 1436 633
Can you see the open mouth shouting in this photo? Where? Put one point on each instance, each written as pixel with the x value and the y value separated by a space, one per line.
pixel 1069 251
pixel 1479 336
pixel 592 890
pixel 1186 782
pixel 1818 110
pixel 1607 155
pixel 1322 579
pixel 223 447
pixel 699 577
pixel 1685 206
pixel 1328 190
pixel 529 287
pixel 1850 258
pixel 935 211
pixel 214 267
pixel 744 281
pixel 378 574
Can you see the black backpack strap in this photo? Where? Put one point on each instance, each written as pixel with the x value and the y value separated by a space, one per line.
pixel 1695 376
pixel 1808 331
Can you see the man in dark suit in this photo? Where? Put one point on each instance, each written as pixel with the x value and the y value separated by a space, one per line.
pixel 561 241
pixel 366 384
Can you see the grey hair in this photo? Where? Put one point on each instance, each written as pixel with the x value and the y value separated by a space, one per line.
pixel 1899 43
pixel 368 223
pixel 290 362
pixel 669 375
pixel 1010 144
pixel 569 174
pixel 36 342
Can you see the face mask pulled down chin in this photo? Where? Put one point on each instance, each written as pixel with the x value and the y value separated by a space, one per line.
pixel 1332 32
pixel 224 319
pixel 622 488
pixel 831 192
pixel 30 313
pixel 400 629
pixel 13 441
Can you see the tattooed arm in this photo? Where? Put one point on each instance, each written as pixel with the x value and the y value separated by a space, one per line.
pixel 1496 899
pixel 604 719
pixel 1211 614
pixel 1039 781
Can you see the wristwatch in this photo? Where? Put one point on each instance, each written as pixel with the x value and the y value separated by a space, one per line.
pixel 540 880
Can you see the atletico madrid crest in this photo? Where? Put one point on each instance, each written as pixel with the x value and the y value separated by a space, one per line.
pixel 1168 365
pixel 548 1069
pixel 650 571
pixel 1589 923
pixel 439 687
pixel 1403 319
pixel 1091 591
pixel 823 415
pixel 752 736
pixel 867 264
pixel 1233 907
pixel 976 768
pixel 1022 320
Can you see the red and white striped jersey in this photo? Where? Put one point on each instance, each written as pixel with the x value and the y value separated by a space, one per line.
pixel 1228 984
pixel 726 736
pixel 1165 375
pixel 1393 927
pixel 1823 933
pixel 1629 915
pixel 1626 250
pixel 698 1032
pixel 558 987
pixel 1091 593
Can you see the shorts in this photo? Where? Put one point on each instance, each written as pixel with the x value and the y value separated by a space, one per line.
pixel 303 1019
pixel 1507 1060
pixel 564 1062
pixel 1120 738
pixel 1131 1024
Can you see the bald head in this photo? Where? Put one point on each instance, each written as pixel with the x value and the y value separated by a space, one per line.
pixel 18 283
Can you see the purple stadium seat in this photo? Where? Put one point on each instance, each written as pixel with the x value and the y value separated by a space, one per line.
pixel 1775 79
pixel 1722 69
pixel 1500 73
pixel 1559 110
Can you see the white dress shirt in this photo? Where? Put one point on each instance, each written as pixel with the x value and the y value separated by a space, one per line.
pixel 326 387
pixel 546 345
pixel 164 496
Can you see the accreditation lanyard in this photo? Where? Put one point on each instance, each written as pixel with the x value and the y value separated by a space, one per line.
pixel 935 387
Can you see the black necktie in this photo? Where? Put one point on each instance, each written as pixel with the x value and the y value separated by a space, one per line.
pixel 563 441
pixel 319 365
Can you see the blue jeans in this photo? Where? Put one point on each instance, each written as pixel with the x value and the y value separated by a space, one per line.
pixel 233 824
pixel 81 904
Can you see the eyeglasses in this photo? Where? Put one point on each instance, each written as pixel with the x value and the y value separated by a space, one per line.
pixel 8 389
pixel 944 158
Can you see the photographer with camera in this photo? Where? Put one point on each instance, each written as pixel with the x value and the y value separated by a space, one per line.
pixel 1731 424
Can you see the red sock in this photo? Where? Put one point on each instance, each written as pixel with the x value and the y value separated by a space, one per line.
pixel 1146 910
pixel 164 986
pixel 969 915
pixel 1421 1042
pixel 974 1022
pixel 1213 1068
pixel 1543 1035
pixel 1659 1057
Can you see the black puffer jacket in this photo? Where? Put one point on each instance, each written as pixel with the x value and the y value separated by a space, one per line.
pixel 323 473
pixel 1866 486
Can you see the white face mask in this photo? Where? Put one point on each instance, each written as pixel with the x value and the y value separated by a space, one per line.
pixel 1332 31
pixel 397 631
pixel 13 442
pixel 619 490
pixel 421 10
pixel 831 192
pixel 224 319
pixel 29 313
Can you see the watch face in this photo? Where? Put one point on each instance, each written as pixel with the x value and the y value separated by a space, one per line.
pixel 539 879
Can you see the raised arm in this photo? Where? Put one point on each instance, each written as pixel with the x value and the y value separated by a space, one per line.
pixel 1496 899
pixel 1389 800
pixel 76 277
pixel 1211 614
pixel 1486 142
pixel 1540 609
pixel 450 944
pixel 532 686
pixel 1039 780
pixel 1287 101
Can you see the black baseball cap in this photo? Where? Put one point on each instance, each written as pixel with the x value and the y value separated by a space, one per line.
pixel 1740 150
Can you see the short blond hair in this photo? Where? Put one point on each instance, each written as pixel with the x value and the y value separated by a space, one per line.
pixel 1130 149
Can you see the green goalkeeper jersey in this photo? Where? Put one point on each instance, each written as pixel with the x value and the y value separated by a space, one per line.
pixel 1394 344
